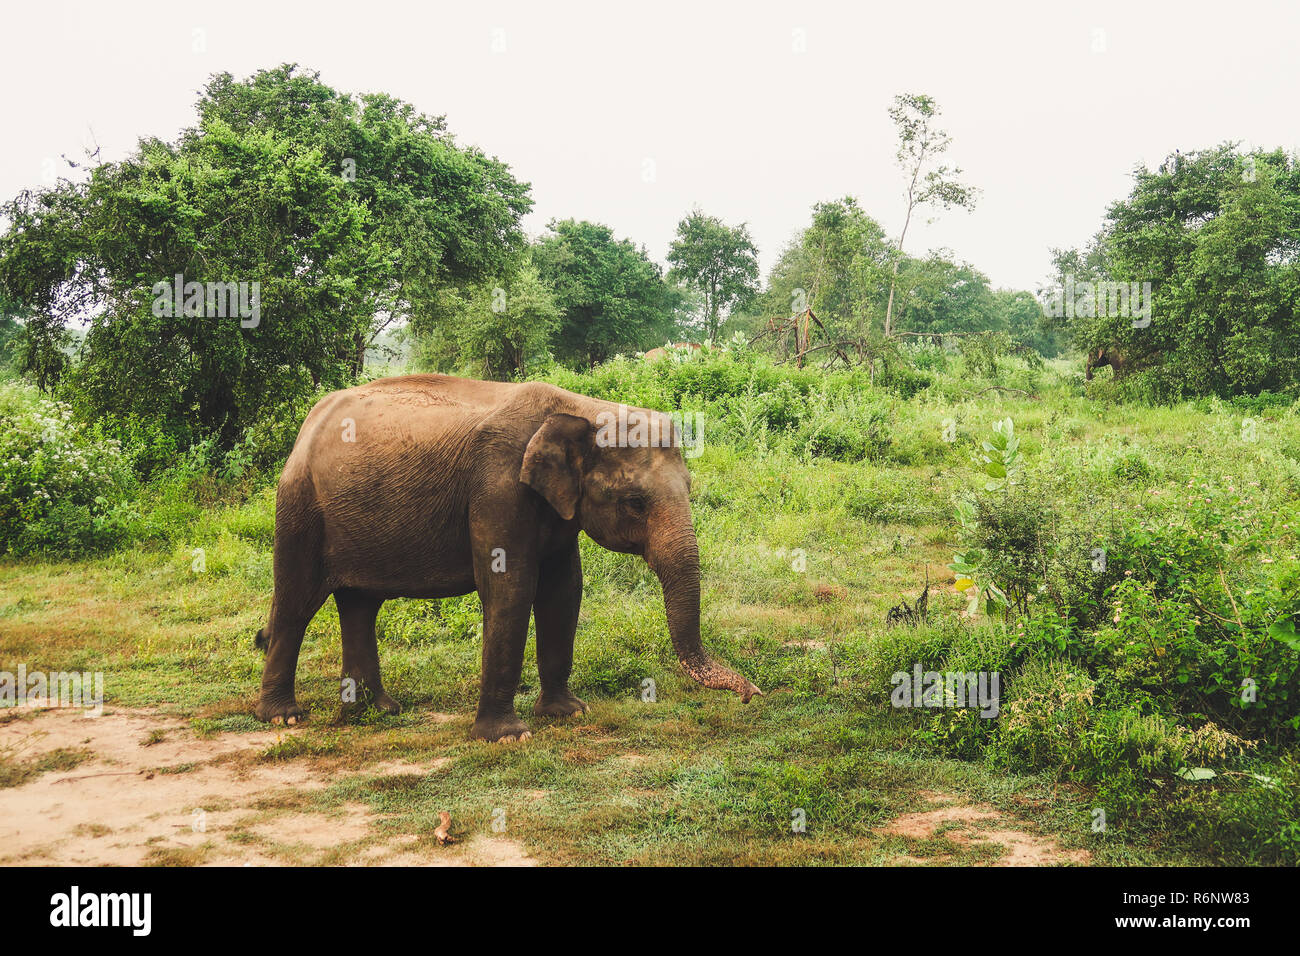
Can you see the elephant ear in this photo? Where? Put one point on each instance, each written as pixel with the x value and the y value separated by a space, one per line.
pixel 553 461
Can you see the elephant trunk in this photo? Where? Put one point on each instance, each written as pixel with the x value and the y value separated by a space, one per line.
pixel 674 556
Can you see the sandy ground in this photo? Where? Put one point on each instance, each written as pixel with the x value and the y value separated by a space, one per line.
pixel 153 788
pixel 968 825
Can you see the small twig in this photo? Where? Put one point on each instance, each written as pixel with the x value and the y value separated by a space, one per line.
pixel 111 773
pixel 1205 609
pixel 1224 582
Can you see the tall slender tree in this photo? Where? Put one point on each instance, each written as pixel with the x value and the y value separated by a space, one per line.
pixel 920 144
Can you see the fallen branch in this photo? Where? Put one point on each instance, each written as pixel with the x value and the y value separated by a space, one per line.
pixel 1004 388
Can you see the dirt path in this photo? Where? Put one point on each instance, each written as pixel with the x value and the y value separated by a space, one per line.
pixel 139 787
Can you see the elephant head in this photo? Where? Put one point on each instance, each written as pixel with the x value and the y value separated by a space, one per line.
pixel 626 484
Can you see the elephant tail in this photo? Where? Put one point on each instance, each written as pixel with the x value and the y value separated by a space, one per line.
pixel 260 642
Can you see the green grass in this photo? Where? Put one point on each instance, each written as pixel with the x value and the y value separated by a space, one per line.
pixel 15 771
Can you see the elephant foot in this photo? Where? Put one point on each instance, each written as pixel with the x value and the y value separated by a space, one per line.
pixel 387 704
pixel 278 709
pixel 561 705
pixel 499 730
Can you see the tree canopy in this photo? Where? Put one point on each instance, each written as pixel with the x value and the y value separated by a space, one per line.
pixel 716 261
pixel 1216 234
pixel 612 296
pixel 838 265
pixel 347 212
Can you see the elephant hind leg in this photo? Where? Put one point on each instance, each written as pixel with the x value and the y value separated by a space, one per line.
pixel 277 702
pixel 300 590
pixel 282 640
pixel 357 615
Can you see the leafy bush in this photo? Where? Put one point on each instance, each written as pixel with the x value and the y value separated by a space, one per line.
pixel 63 487
pixel 1208 641
pixel 266 443
pixel 839 416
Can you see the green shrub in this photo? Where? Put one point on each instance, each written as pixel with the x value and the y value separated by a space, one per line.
pixel 147 444
pixel 416 622
pixel 64 488
pixel 267 442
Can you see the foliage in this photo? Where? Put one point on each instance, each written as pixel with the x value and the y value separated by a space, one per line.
pixel 718 262
pixel 1216 235
pixel 612 297
pixel 837 266
pixel 939 295
pixel 11 334
pixel 499 331
pixel 920 144
pixel 988 559
pixel 348 212
pixel 64 488
pixel 740 395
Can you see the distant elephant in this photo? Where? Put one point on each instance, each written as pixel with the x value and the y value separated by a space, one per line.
pixel 1106 355
pixel 429 486
pixel 655 355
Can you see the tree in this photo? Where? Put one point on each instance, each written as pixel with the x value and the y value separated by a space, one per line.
pixel 718 262
pixel 1022 316
pixel 920 143
pixel 945 296
pixel 501 330
pixel 347 214
pixel 1215 236
pixel 612 297
pixel 837 266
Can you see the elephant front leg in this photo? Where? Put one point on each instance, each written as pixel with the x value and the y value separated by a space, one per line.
pixel 559 596
pixel 507 597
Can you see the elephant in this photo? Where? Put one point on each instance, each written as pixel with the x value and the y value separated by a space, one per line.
pixel 655 355
pixel 432 486
pixel 1102 356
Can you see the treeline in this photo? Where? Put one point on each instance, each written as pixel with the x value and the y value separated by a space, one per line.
pixel 348 219
pixel 353 222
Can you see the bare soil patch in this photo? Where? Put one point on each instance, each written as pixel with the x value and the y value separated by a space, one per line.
pixel 974 826
pixel 154 792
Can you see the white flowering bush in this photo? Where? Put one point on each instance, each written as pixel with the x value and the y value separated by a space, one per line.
pixel 64 489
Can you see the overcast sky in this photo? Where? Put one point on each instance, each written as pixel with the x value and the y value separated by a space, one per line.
pixel 630 114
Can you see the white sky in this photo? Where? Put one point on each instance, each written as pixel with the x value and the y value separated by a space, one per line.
pixel 715 95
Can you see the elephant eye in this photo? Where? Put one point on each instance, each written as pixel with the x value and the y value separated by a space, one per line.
pixel 636 504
